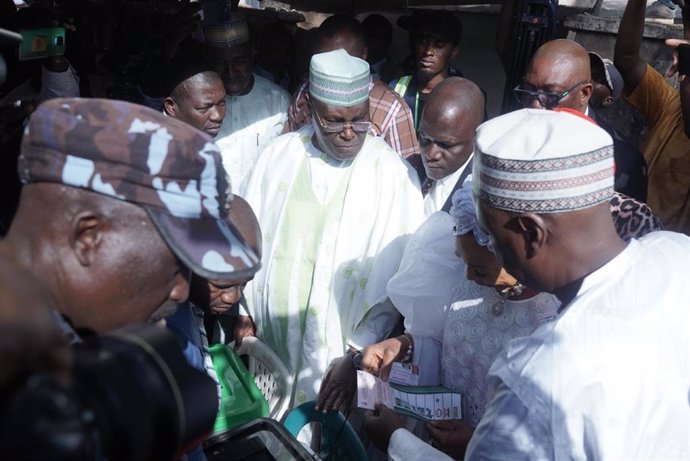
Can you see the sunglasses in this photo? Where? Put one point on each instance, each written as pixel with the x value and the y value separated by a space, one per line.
pixel 339 127
pixel 546 99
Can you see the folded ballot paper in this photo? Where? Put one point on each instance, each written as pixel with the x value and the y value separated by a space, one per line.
pixel 428 403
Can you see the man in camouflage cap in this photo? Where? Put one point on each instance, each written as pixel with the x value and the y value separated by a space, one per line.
pixel 119 204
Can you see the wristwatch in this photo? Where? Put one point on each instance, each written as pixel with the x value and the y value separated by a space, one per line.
pixel 356 357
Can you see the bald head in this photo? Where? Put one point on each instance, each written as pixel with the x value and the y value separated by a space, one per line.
pixel 340 31
pixel 451 115
pixel 456 99
pixel 558 66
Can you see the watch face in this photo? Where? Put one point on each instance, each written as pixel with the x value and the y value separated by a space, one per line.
pixel 357 360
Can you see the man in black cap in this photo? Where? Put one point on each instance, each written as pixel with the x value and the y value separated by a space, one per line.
pixel 119 205
pixel 435 39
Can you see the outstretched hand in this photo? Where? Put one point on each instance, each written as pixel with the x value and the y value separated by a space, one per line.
pixel 378 358
pixel 338 387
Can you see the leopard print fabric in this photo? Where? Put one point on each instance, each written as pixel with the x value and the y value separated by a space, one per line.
pixel 632 218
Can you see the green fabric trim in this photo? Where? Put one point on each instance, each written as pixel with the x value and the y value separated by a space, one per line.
pixel 303 224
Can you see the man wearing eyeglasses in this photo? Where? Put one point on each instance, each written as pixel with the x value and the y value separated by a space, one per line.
pixel 336 207
pixel 559 76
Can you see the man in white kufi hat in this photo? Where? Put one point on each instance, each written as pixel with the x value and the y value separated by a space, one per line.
pixel 256 108
pixel 336 208
pixel 609 377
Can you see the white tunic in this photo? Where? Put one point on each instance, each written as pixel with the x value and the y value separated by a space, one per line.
pixel 251 122
pixel 353 262
pixel 441 190
pixel 610 379
pixel 454 323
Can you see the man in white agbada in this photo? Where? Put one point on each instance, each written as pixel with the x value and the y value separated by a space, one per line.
pixel 451 115
pixel 256 108
pixel 610 378
pixel 336 208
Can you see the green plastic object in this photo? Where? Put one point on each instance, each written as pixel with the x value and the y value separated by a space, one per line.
pixel 241 401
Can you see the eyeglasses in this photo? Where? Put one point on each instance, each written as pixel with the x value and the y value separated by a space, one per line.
pixel 339 127
pixel 546 99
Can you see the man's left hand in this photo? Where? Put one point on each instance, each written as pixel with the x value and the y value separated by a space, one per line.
pixel 451 437
pixel 338 387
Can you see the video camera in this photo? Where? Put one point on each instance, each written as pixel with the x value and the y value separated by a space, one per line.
pixel 132 397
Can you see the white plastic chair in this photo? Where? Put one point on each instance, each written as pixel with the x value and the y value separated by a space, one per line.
pixel 270 374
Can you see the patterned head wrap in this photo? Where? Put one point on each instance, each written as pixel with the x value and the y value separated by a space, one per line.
pixel 339 79
pixel 234 31
pixel 135 154
pixel 543 161
pixel 464 215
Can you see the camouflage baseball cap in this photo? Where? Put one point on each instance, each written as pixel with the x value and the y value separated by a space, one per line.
pixel 133 153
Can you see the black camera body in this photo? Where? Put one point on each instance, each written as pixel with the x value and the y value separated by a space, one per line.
pixel 133 397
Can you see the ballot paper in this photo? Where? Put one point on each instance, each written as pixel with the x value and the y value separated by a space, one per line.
pixel 428 403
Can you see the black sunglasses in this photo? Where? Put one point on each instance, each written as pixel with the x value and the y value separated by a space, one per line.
pixel 546 99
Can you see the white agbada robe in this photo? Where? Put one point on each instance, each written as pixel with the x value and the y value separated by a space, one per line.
pixel 354 260
pixel 251 122
pixel 456 333
pixel 610 379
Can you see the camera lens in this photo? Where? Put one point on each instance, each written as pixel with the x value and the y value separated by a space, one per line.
pixel 149 404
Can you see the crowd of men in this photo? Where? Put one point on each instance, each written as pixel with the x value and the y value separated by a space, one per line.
pixel 227 194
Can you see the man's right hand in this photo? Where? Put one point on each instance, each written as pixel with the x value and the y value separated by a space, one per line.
pixel 378 358
pixel 244 326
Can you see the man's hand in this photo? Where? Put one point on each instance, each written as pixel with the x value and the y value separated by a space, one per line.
pixel 673 43
pixel 244 326
pixel 378 358
pixel 380 425
pixel 451 437
pixel 338 387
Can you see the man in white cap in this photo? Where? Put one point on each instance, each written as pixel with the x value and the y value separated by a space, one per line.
pixel 256 108
pixel 336 208
pixel 608 378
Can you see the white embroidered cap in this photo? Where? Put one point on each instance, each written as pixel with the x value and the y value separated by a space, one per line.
pixel 543 161
pixel 339 79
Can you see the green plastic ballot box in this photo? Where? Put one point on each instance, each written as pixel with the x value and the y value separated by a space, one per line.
pixel 241 401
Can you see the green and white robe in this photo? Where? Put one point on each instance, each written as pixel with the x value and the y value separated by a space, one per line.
pixel 327 254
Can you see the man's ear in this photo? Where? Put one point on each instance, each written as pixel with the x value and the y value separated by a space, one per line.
pixel 586 93
pixel 533 230
pixel 86 236
pixel 365 53
pixel 170 107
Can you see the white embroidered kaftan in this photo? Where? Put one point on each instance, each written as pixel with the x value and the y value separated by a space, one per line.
pixel 356 250
pixel 251 122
